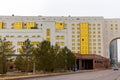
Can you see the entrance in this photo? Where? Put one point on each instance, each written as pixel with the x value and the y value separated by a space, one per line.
pixel 87 64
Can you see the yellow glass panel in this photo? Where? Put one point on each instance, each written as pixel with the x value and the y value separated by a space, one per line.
pixel 48 35
pixel 35 42
pixel 1 25
pixel 84 27
pixel 18 25
pixel 30 25
pixel 59 26
pixel 19 50
pixel 20 43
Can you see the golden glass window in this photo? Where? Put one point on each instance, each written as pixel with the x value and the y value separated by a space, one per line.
pixel 111 28
pixel 94 40
pixel 73 24
pixel 62 37
pixel 73 28
pixel 38 36
pixel 116 28
pixel 73 36
pixel 94 44
pixel 62 43
pixel 73 48
pixel 73 44
pixel 99 43
pixel 78 28
pixel 94 36
pixel 35 42
pixel 99 36
pixel 73 40
pixel 99 51
pixel 1 25
pixel 98 24
pixel 89 24
pixel 9 42
pixel 78 44
pixel 98 32
pixel 99 39
pixel 60 25
pixel 73 32
pixel 30 25
pixel 19 36
pixel 33 36
pixel 20 43
pixel 116 24
pixel 111 24
pixel 94 32
pixel 26 36
pixel 18 25
pixel 93 24
pixel 93 28
pixel 98 28
pixel 19 50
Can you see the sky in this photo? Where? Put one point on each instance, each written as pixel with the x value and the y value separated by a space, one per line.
pixel 105 8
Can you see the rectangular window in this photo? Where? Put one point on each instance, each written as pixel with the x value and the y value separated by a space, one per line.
pixel 18 25
pixel 30 25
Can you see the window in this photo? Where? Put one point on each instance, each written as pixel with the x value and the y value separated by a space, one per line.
pixel 73 28
pixel 73 48
pixel 89 24
pixel 1 25
pixel 111 28
pixel 73 24
pixel 73 44
pixel 116 24
pixel 19 36
pixel 94 40
pixel 18 25
pixel 62 37
pixel 116 28
pixel 26 36
pixel 98 32
pixel 20 43
pixel 33 36
pixel 62 43
pixel 73 36
pixel 111 24
pixel 94 36
pixel 94 44
pixel 38 36
pixel 99 36
pixel 19 50
pixel 98 24
pixel 99 43
pixel 93 24
pixel 94 32
pixel 35 42
pixel 73 32
pixel 93 28
pixel 30 25
pixel 73 40
pixel 98 28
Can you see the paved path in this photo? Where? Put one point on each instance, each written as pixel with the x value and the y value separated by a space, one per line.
pixel 97 75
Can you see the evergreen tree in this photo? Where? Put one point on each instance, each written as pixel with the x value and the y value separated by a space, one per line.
pixel 6 50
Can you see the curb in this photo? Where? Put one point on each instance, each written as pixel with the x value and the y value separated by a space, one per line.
pixel 43 75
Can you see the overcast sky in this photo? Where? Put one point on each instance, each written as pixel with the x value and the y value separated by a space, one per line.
pixel 105 8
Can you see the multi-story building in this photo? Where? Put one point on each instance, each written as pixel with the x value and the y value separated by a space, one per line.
pixel 84 35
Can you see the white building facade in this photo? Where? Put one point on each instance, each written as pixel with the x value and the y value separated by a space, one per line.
pixel 84 35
